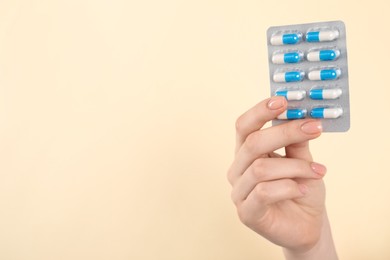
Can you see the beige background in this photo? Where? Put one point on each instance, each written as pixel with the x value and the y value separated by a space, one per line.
pixel 117 127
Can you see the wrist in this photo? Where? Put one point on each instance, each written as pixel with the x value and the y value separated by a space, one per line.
pixel 324 249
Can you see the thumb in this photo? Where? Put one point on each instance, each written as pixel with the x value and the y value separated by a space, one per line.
pixel 299 151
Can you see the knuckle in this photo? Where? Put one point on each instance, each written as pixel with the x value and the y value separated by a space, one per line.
pixel 252 142
pixel 258 169
pixel 261 193
pixel 239 125
pixel 229 176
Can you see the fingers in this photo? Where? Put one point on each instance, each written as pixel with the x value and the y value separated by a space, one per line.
pixel 271 169
pixel 268 140
pixel 299 150
pixel 267 193
pixel 255 118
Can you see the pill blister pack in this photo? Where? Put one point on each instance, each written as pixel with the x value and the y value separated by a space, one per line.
pixel 308 66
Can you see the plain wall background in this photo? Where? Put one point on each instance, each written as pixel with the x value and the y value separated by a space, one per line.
pixel 117 127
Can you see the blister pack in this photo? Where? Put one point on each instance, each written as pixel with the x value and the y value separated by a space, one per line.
pixel 308 66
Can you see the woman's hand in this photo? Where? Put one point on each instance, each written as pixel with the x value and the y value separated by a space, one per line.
pixel 280 198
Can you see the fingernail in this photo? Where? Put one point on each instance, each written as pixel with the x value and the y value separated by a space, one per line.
pixel 276 103
pixel 303 188
pixel 312 127
pixel 318 168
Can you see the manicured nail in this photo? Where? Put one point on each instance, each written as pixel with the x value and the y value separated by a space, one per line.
pixel 276 103
pixel 312 127
pixel 318 168
pixel 303 188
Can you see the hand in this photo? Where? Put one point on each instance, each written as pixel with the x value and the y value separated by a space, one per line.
pixel 280 198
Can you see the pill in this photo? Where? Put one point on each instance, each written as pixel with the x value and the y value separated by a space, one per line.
pixel 323 55
pixel 324 74
pixel 320 93
pixel 295 113
pixel 292 94
pixel 326 112
pixel 289 76
pixel 322 36
pixel 289 57
pixel 287 38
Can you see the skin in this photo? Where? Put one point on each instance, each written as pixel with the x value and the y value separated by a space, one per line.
pixel 281 198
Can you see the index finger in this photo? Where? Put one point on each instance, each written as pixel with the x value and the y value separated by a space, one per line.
pixel 256 117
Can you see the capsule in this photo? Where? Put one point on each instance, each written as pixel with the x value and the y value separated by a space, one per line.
pixel 322 36
pixel 288 57
pixel 323 55
pixel 295 113
pixel 326 112
pixel 288 76
pixel 321 93
pixel 324 74
pixel 287 38
pixel 292 94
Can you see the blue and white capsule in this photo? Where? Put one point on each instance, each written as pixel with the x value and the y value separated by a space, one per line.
pixel 326 112
pixel 323 55
pixel 324 94
pixel 324 74
pixel 291 94
pixel 286 38
pixel 288 76
pixel 288 57
pixel 295 113
pixel 322 36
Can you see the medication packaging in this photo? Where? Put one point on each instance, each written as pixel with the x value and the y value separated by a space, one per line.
pixel 308 66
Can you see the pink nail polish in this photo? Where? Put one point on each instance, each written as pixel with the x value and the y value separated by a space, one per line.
pixel 318 168
pixel 312 127
pixel 276 103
